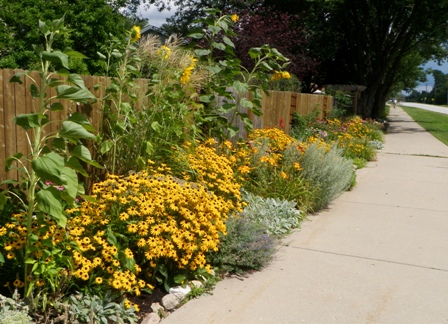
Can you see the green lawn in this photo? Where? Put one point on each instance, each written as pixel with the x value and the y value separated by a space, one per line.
pixel 433 122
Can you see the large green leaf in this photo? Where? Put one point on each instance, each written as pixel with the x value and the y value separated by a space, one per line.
pixel 75 54
pixel 49 167
pixel 49 201
pixel 56 57
pixel 202 52
pixel 9 160
pixel 74 163
pixel 74 132
pixel 56 106
pixel 71 179
pixel 73 93
pixel 196 35
pixel 27 121
pixel 106 146
pixel 17 77
pixel 82 153
pixel 76 80
pixel 81 120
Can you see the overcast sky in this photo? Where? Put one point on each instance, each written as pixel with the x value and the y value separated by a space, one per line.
pixel 155 17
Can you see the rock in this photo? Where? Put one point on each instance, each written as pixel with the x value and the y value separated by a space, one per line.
pixel 170 301
pixel 151 318
pixel 157 308
pixel 179 291
pixel 196 284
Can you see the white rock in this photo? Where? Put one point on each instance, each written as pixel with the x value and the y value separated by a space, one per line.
pixel 179 291
pixel 196 284
pixel 151 318
pixel 170 301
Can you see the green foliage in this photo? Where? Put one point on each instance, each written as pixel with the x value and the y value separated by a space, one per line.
pixel 247 246
pixel 328 172
pixel 103 310
pixel 90 23
pixel 50 171
pixel 225 70
pixel 277 216
pixel 292 84
pixel 301 125
pixel 13 311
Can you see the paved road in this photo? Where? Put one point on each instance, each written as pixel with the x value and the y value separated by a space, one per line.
pixel 377 255
pixel 443 110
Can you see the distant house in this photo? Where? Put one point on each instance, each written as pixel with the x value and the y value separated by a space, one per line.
pixel 153 30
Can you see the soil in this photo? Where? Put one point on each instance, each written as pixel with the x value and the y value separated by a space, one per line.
pixel 145 300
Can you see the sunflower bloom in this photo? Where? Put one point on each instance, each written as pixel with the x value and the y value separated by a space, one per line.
pixel 135 33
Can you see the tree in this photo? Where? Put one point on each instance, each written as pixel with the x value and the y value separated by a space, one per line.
pixel 90 23
pixel 280 31
pixel 440 90
pixel 376 43
pixel 380 40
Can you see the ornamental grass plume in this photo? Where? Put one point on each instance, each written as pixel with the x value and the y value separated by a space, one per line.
pixel 167 61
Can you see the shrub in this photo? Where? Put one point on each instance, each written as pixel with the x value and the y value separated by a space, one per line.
pixel 12 311
pixel 277 216
pixel 269 165
pixel 247 246
pixel 104 310
pixel 328 172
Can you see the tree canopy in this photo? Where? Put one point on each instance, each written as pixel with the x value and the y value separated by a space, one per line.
pixel 91 23
pixel 376 43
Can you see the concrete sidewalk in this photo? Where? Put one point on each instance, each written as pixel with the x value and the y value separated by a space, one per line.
pixel 379 254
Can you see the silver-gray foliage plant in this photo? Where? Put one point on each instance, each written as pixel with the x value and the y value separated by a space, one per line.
pixel 278 216
pixel 13 311
pixel 328 171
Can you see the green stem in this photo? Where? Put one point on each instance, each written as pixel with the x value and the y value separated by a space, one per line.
pixel 33 179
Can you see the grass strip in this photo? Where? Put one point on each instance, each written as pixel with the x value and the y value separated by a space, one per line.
pixel 433 122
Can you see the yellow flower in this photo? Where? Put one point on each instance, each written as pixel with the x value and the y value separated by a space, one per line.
pixel 135 33
pixel 234 17
pixel 164 52
pixel 280 75
pixel 185 77
pixel 99 280
pixel 297 166
pixel 283 175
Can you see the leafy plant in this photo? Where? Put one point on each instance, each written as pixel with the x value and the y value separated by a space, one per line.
pixel 247 246
pixel 278 216
pixel 51 169
pixel 13 311
pixel 225 70
pixel 327 171
pixel 104 310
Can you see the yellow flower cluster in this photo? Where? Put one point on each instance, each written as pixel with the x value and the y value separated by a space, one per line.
pixel 277 138
pixel 278 75
pixel 13 236
pixel 164 52
pixel 150 218
pixel 185 77
pixel 216 173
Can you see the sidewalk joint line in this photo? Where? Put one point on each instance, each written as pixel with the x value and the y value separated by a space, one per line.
pixel 395 206
pixel 416 154
pixel 367 258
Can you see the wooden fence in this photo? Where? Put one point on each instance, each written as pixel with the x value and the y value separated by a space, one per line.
pixel 16 99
